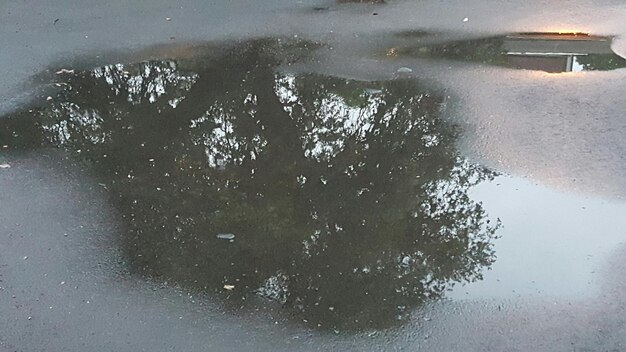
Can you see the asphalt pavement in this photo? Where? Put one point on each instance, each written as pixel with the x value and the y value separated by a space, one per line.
pixel 557 141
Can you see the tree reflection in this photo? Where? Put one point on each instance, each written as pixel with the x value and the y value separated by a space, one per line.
pixel 549 52
pixel 347 200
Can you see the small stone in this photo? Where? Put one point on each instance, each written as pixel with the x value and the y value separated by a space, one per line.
pixel 229 287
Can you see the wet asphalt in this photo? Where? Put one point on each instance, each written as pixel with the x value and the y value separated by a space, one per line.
pixel 557 283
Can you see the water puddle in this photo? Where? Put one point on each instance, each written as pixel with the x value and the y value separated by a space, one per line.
pixel 549 52
pixel 346 201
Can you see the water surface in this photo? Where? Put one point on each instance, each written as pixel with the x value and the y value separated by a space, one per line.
pixel 346 201
pixel 549 52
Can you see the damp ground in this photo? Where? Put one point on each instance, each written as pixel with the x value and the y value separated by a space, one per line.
pixel 452 185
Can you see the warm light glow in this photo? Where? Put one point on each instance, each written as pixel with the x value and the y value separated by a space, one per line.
pixel 561 32
pixel 564 30
pixel 571 32
pixel 555 75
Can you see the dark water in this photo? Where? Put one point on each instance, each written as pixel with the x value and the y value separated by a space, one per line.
pixel 346 201
pixel 549 52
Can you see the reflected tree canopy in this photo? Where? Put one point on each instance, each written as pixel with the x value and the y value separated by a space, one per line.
pixel 344 200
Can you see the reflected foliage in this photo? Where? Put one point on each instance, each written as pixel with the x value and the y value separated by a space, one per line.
pixel 484 50
pixel 551 52
pixel 601 62
pixel 346 201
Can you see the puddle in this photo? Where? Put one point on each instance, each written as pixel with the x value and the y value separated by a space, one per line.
pixel 346 201
pixel 549 52
pixel 554 244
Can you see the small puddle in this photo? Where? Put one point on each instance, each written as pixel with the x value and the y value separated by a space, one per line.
pixel 346 201
pixel 549 52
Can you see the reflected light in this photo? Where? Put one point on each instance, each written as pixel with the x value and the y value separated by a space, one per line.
pixel 541 75
pixel 564 30
pixel 571 32
pixel 565 33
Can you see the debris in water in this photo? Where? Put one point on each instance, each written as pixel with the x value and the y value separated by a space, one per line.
pixel 226 236
pixel 63 70
pixel 465 19
pixel 229 287
pixel 404 70
pixel 371 91
pixel 4 166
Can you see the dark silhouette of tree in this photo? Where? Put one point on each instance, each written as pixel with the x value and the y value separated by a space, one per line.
pixel 347 200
